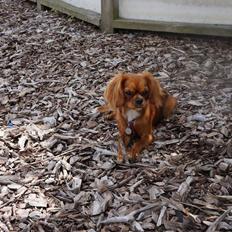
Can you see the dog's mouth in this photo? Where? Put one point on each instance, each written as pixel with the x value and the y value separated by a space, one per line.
pixel 139 108
pixel 136 108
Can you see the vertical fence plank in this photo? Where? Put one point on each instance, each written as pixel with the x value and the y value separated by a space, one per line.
pixel 109 11
pixel 39 5
pixel 115 9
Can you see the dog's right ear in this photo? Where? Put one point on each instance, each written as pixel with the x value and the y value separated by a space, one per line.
pixel 114 91
pixel 155 91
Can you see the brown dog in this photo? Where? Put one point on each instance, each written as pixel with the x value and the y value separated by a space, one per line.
pixel 138 103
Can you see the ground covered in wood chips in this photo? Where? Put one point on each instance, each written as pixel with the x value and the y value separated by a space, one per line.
pixel 58 169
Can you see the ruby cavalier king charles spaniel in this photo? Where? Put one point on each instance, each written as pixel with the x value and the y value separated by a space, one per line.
pixel 137 103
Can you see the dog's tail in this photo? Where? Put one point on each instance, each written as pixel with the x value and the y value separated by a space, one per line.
pixel 169 106
pixel 166 110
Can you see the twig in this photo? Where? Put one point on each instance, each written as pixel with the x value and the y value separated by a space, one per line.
pixel 178 50
pixel 137 227
pixel 121 183
pixel 136 165
pixel 224 197
pixel 13 199
pixel 184 187
pixel 183 139
pixel 9 179
pixel 104 151
pixel 200 208
pixel 168 142
pixel 57 156
pixel 130 217
pixel 120 219
pixel 3 227
pixel 136 185
pixel 181 208
pixel 215 224
pixel 162 212
pixel 66 137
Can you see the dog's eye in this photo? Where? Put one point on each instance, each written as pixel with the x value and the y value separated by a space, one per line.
pixel 128 93
pixel 145 93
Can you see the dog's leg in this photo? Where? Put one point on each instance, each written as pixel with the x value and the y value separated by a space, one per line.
pixel 145 131
pixel 123 140
pixel 108 113
pixel 121 151
pixel 120 154
pixel 139 146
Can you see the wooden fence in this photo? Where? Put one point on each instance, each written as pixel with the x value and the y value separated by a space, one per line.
pixel 109 19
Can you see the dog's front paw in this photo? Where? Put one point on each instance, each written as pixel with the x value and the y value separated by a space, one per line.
pixel 133 154
pixel 119 159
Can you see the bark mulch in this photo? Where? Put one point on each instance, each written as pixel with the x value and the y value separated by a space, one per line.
pixel 58 169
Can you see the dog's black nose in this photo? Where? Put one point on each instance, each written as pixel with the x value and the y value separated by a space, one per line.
pixel 138 101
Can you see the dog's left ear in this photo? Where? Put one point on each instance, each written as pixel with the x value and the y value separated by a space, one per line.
pixel 155 91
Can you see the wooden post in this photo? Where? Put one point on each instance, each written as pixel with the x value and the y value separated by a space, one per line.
pixel 40 6
pixel 109 12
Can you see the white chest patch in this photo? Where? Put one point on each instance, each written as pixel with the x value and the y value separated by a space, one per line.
pixel 132 115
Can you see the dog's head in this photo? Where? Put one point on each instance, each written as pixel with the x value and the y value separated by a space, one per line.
pixel 133 91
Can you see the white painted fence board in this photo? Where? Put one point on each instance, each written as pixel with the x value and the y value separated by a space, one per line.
pixel 93 5
pixel 185 11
